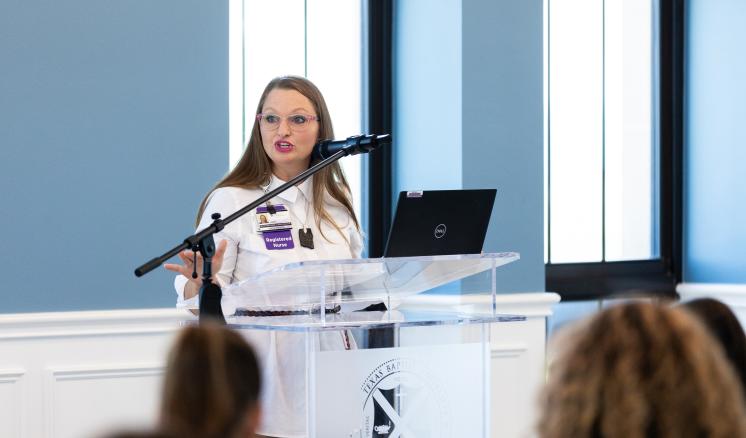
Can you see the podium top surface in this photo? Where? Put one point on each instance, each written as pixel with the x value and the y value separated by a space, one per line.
pixel 311 285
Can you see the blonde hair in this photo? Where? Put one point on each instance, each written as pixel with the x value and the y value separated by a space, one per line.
pixel 641 370
pixel 254 169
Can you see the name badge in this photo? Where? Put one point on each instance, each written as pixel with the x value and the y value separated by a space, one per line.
pixel 279 219
pixel 275 240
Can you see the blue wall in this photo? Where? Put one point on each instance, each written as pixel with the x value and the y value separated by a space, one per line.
pixel 503 129
pixel 427 90
pixel 113 122
pixel 715 187
pixel 114 116
pixel 469 105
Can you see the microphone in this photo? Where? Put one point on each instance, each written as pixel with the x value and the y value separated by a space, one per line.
pixel 357 144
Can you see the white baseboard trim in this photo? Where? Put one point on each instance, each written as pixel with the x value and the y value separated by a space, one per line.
pixel 112 371
pixel 11 375
pixel 91 323
pixel 529 304
pixel 732 294
pixel 502 351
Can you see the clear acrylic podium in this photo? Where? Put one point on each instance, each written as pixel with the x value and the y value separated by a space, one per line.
pixel 361 361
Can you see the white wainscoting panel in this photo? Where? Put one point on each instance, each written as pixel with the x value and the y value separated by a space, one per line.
pixel 11 400
pixel 94 396
pixel 79 374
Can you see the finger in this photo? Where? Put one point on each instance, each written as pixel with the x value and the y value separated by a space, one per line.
pixel 217 261
pixel 186 256
pixel 221 249
pixel 174 268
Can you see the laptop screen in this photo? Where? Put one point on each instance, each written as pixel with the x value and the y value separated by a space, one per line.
pixel 440 222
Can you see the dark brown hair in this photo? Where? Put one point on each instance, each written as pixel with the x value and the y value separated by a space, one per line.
pixel 212 381
pixel 724 326
pixel 641 370
pixel 254 169
pixel 140 434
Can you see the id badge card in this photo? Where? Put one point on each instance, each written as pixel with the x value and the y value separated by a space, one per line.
pixel 275 227
pixel 265 221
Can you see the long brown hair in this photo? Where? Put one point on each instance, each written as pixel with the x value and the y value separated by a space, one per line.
pixel 641 370
pixel 254 169
pixel 212 382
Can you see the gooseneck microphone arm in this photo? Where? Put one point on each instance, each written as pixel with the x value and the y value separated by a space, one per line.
pixel 210 294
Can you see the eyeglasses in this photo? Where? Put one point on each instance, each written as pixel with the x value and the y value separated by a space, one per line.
pixel 298 122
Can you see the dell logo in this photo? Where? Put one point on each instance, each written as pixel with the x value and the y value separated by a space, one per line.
pixel 440 231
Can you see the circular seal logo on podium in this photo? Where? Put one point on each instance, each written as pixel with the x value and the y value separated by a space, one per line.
pixel 401 399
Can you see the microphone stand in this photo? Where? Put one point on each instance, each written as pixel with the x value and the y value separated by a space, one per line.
pixel 210 293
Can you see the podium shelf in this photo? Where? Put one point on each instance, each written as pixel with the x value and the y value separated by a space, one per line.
pixel 366 320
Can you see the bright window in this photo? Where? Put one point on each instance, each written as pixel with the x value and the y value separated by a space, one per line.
pixel 601 146
pixel 318 39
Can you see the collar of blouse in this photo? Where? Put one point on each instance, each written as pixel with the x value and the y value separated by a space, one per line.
pixel 291 195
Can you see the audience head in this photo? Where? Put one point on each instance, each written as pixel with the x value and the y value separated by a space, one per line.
pixel 140 434
pixel 641 370
pixel 212 385
pixel 724 326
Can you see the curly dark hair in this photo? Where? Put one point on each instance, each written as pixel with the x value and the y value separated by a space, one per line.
pixel 640 370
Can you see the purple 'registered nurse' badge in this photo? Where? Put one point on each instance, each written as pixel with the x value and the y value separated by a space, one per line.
pixel 278 239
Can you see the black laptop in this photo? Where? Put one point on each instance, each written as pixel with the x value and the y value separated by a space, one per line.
pixel 440 222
